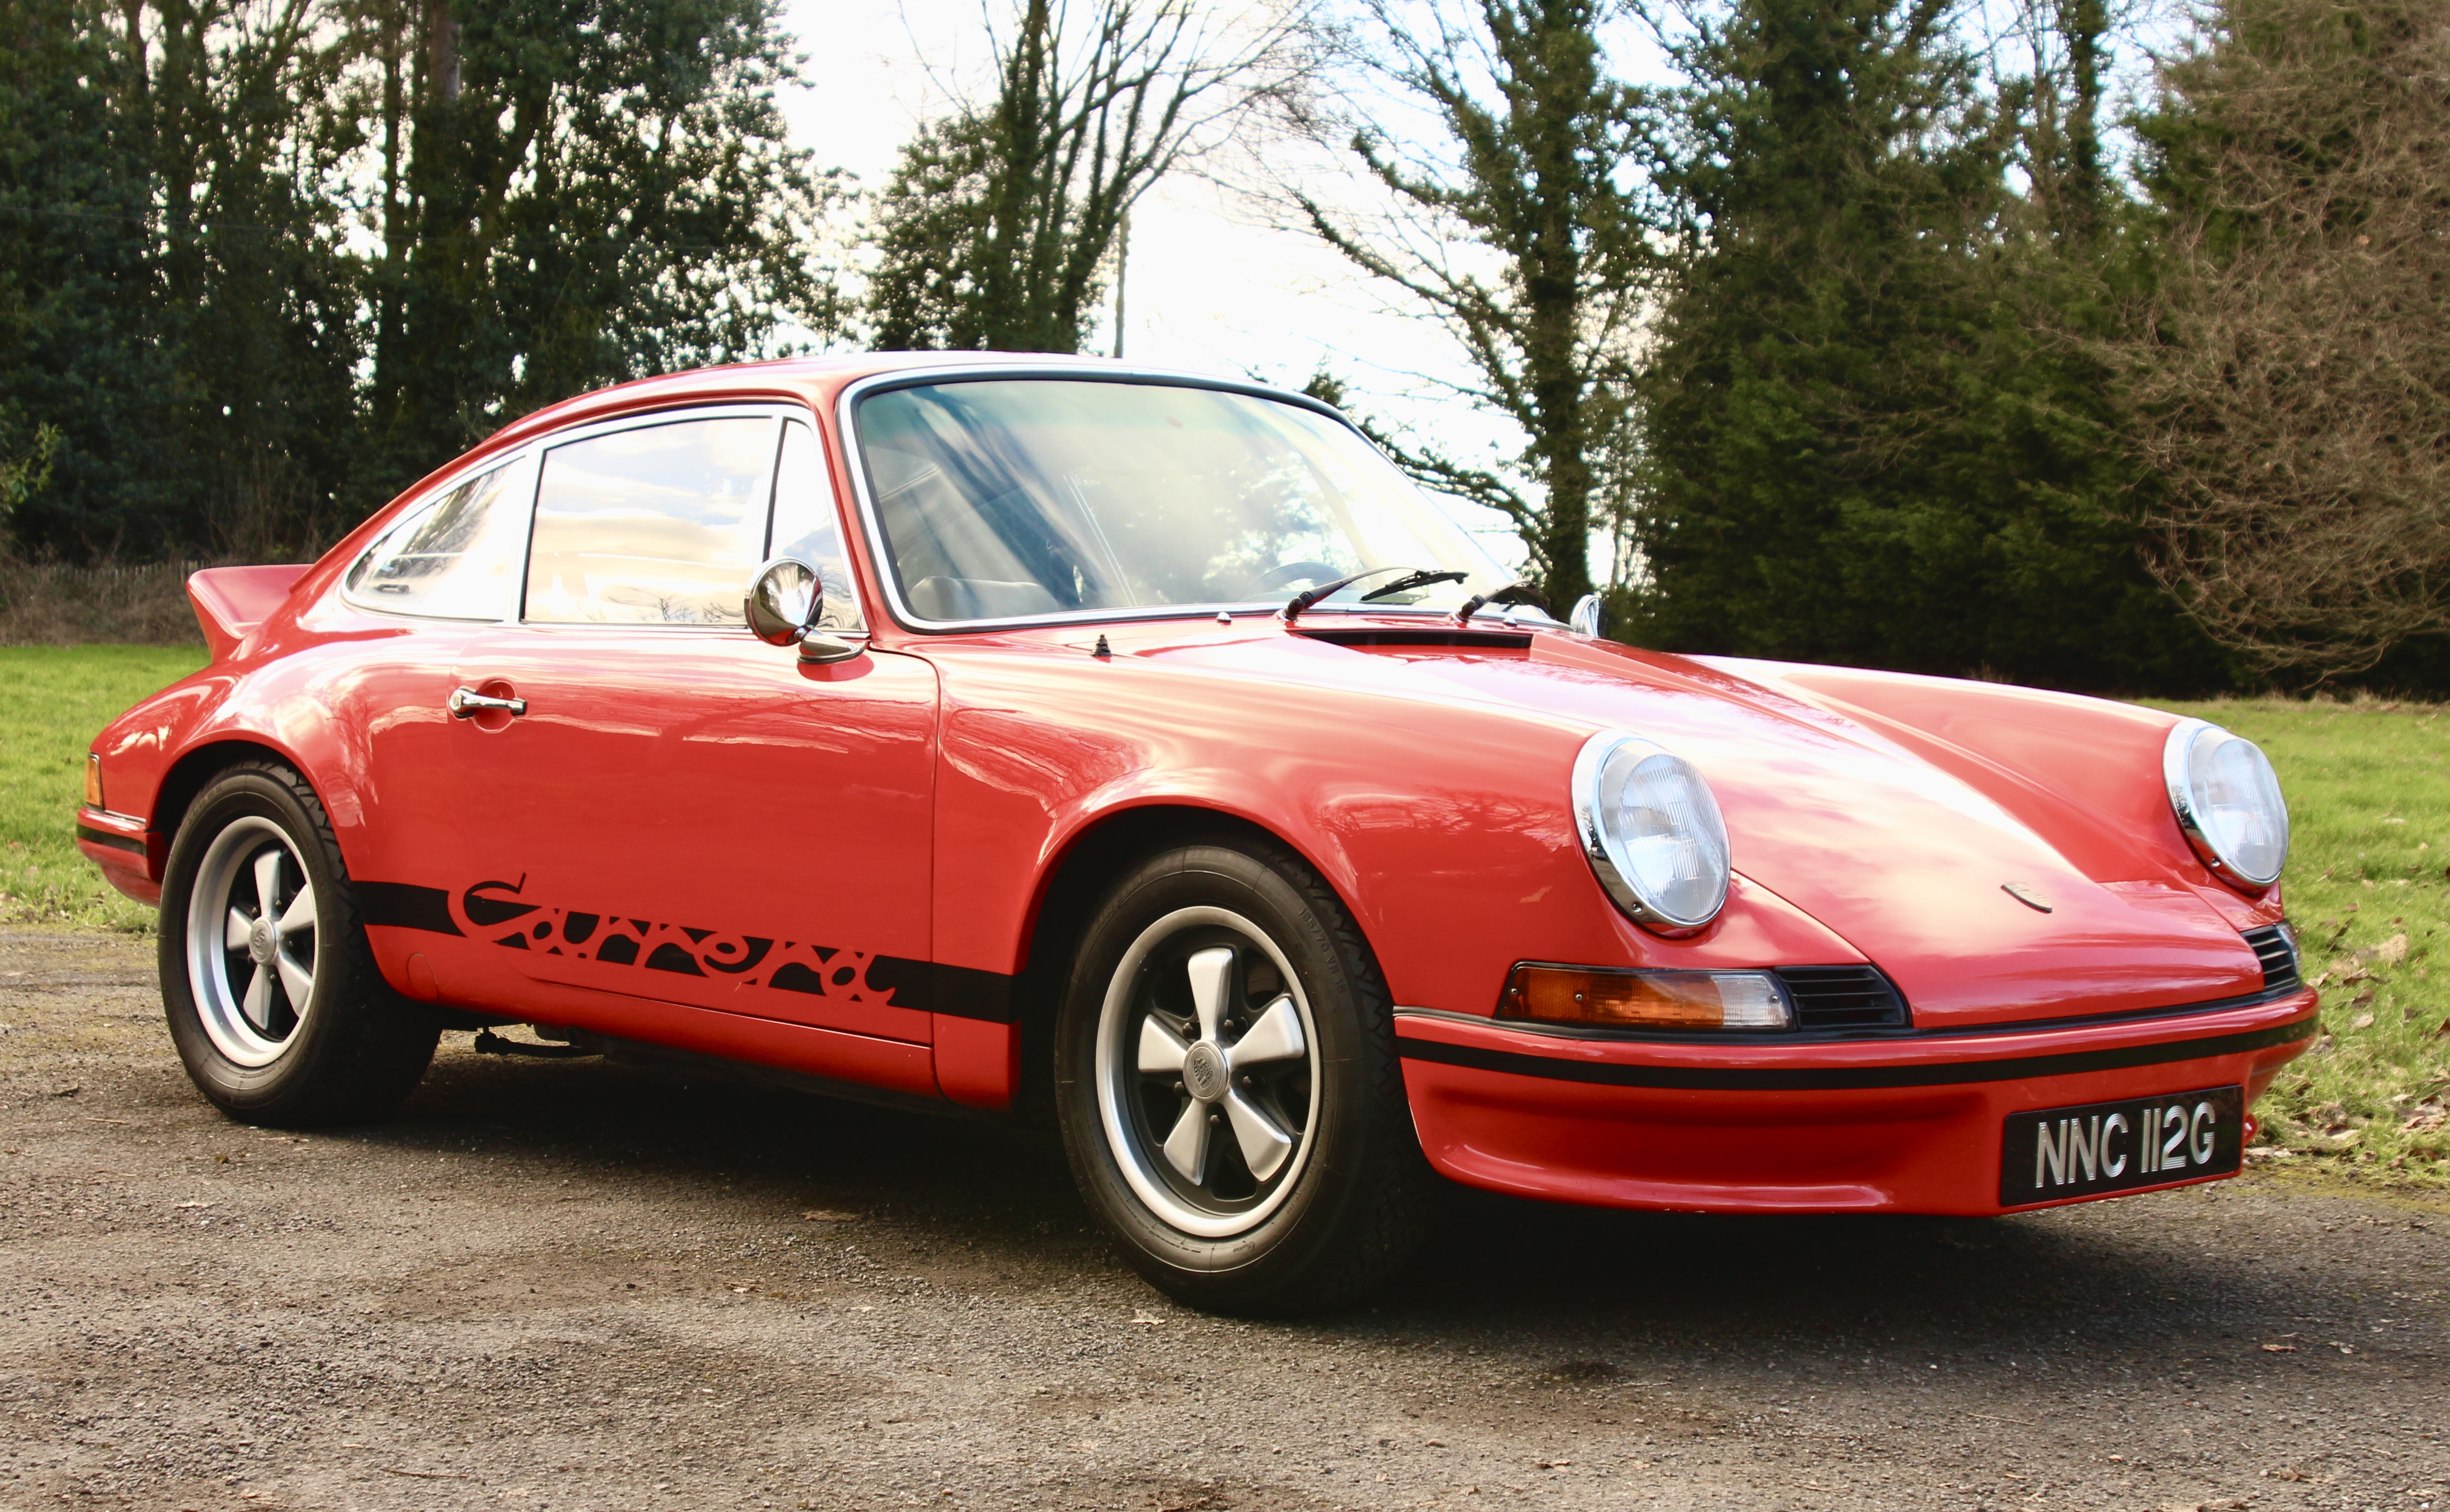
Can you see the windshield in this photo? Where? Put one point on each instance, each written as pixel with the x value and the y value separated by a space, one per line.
pixel 1004 498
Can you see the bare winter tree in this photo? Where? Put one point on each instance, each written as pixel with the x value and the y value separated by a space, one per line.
pixel 1515 232
pixel 997 226
pixel 2295 375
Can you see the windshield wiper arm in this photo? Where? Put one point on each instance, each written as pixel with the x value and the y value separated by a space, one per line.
pixel 1474 604
pixel 1311 596
pixel 1420 579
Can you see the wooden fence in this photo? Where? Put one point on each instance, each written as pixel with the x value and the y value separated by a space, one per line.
pixel 45 604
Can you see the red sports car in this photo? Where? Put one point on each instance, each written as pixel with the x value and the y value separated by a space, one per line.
pixel 1059 738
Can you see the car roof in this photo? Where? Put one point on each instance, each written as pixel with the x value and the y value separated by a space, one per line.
pixel 813 380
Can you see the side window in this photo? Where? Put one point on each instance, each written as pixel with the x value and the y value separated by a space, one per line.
pixel 807 526
pixel 659 525
pixel 455 559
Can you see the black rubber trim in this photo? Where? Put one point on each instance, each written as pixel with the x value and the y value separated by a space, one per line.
pixel 405 905
pixel 1847 1078
pixel 1465 639
pixel 104 837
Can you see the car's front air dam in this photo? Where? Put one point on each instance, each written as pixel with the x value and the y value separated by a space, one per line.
pixel 1909 1124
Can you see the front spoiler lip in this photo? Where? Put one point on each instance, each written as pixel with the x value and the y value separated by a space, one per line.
pixel 2005 1053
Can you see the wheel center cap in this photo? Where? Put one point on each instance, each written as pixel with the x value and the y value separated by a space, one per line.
pixel 260 941
pixel 1204 1071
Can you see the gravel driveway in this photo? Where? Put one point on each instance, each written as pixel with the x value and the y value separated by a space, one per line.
pixel 571 1285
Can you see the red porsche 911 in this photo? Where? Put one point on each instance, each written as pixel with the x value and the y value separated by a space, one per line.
pixel 1055 739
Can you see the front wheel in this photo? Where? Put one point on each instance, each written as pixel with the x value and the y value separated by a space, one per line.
pixel 1228 1089
pixel 273 997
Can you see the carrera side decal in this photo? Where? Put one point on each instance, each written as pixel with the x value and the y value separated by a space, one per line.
pixel 405 905
pixel 499 911
pixel 1851 1078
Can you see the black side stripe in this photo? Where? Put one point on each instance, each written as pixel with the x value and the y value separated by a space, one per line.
pixel 958 992
pixel 405 905
pixel 1846 1079
pixel 104 837
pixel 929 986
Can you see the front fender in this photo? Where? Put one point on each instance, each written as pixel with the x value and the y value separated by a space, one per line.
pixel 1444 827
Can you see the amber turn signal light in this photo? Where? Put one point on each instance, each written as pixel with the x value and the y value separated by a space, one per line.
pixel 93 779
pixel 1646 999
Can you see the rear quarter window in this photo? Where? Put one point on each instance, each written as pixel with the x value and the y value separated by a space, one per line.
pixel 456 557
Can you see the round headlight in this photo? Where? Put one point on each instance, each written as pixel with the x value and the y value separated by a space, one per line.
pixel 1653 832
pixel 2227 800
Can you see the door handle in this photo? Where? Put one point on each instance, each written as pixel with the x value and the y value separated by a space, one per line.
pixel 466 703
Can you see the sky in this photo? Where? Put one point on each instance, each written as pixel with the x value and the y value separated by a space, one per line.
pixel 1209 286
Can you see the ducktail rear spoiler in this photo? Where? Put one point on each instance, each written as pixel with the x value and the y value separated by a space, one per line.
pixel 231 601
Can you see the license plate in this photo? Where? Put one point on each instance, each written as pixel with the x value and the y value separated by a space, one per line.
pixel 2103 1147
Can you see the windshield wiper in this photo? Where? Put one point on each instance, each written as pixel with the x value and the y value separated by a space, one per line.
pixel 1474 604
pixel 1421 579
pixel 1308 596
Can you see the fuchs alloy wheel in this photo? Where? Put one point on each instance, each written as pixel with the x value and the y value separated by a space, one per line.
pixel 1228 1089
pixel 273 997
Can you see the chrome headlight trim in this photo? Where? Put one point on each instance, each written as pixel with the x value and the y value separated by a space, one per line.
pixel 1611 858
pixel 2181 774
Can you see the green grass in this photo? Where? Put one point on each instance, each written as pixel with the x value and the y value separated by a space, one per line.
pixel 2368 786
pixel 54 700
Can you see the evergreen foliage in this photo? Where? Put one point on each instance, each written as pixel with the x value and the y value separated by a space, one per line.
pixel 1867 437
pixel 81 319
pixel 240 350
pixel 598 189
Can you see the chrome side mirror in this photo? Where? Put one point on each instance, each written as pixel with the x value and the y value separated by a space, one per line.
pixel 1585 618
pixel 784 601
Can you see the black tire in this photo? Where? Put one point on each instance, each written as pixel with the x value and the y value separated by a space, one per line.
pixel 257 842
pixel 1315 1229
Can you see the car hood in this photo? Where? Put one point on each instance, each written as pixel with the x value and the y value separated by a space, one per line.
pixel 1908 860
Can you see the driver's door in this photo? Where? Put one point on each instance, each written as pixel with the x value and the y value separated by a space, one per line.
pixel 682 813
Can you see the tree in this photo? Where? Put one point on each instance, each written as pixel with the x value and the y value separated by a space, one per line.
pixel 2291 365
pixel 591 190
pixel 1529 171
pixel 995 228
pixel 81 350
pixel 1864 440
pixel 564 193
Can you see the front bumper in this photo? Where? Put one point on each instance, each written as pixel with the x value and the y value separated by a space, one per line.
pixel 1912 1123
pixel 130 855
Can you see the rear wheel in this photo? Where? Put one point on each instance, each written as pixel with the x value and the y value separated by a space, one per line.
pixel 1228 1086
pixel 272 994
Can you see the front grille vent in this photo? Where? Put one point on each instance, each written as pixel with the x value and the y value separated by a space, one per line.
pixel 1843 997
pixel 2274 947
